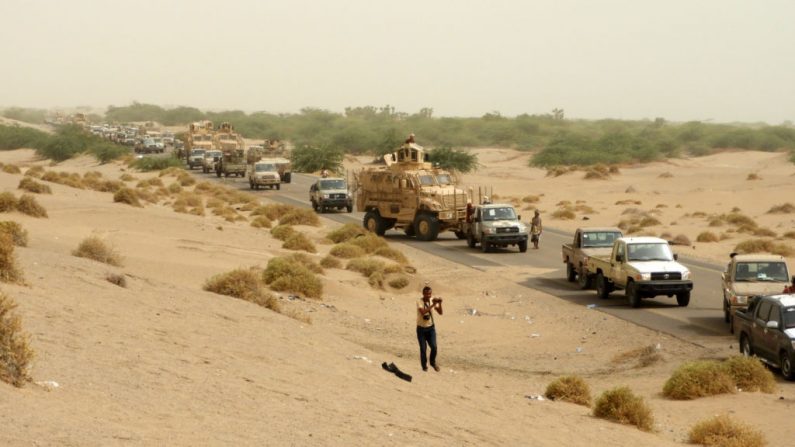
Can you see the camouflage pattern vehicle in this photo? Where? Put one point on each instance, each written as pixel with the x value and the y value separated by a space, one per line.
pixel 412 195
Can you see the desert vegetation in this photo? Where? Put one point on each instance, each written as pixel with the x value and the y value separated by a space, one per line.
pixel 725 431
pixel 243 284
pixel 96 249
pixel 625 407
pixel 286 274
pixel 30 185
pixel 19 235
pixel 9 269
pixel 569 389
pixel 67 142
pixel 702 378
pixel 15 351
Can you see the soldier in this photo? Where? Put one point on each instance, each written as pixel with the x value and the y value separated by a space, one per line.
pixel 410 139
pixel 536 229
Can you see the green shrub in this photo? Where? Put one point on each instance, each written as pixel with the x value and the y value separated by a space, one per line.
pixel 723 431
pixel 283 274
pixel 94 248
pixel 570 389
pixel 18 234
pixel 305 260
pixel 15 352
pixel 146 164
pixel 698 379
pixel 623 406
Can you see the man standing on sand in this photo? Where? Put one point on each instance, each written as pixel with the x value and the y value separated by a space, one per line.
pixel 535 229
pixel 426 331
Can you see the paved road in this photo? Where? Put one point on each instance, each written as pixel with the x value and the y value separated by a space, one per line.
pixel 701 322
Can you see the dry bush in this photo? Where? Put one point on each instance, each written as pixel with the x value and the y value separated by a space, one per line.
pixel 64 178
pixel 95 248
pixel 613 170
pixel 665 175
pixel 115 278
pixel 30 185
pixel 632 211
pixel 564 214
pixel 173 171
pixel 300 216
pixel 214 203
pixel 299 241
pixel 396 268
pixel 174 188
pixel 764 232
pixel 569 389
pixel 785 208
pixel 282 232
pixel 564 203
pixel 531 199
pixel 661 205
pixel 680 239
pixel 707 236
pixel 365 266
pixel 243 284
pixel 716 222
pixel 106 185
pixel 187 180
pixel 376 280
pixel 9 270
pixel 345 232
pixel 763 246
pixel 753 176
pixel 698 379
pixel 8 202
pixel 724 236
pixel 15 351
pixel 273 211
pixel 284 274
pixel 148 183
pixel 35 171
pixel 398 282
pixel 639 358
pixel 347 251
pixel 330 262
pixel 19 236
pixel 127 178
pixel 593 174
pixel 623 406
pixel 297 315
pixel 789 235
pixel 370 242
pixel 128 196
pixel 649 221
pixel 750 374
pixel 723 431
pixel 557 171
pixel 391 253
pixel 585 209
pixel 11 169
pixel 738 219
pixel 305 260
pixel 27 204
pixel 261 222
pixel 629 202
pixel 667 236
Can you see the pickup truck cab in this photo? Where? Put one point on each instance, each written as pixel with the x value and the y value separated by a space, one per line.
pixel 328 193
pixel 196 158
pixel 495 225
pixel 750 275
pixel 766 329
pixel 589 241
pixel 644 267
pixel 263 173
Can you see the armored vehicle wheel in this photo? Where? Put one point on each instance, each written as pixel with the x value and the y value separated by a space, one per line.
pixel 471 242
pixel 683 299
pixel 427 227
pixel 374 223
pixel 349 208
pixel 602 287
pixel 460 235
pixel 409 230
pixel 632 294
pixel 571 274
pixel 522 246
pixel 278 186
pixel 287 177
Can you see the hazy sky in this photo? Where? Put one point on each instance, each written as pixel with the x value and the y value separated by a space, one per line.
pixel 720 60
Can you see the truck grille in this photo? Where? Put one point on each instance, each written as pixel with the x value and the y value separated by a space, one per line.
pixel 454 201
pixel 507 230
pixel 337 196
pixel 662 276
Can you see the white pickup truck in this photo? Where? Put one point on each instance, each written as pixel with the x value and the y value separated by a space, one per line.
pixel 644 267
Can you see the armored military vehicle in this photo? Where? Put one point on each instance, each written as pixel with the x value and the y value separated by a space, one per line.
pixel 199 136
pixel 282 165
pixel 410 194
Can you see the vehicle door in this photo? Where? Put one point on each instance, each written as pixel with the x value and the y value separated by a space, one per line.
pixel 769 338
pixel 476 223
pixel 618 263
pixel 759 330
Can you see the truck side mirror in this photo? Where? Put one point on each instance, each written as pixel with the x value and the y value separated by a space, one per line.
pixel 519 217
pixel 771 325
pixel 676 257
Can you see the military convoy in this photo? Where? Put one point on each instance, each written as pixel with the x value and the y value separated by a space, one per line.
pixel 329 193
pixel 495 225
pixel 280 165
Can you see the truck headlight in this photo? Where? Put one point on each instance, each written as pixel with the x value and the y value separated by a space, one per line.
pixel 446 215
pixel 686 274
pixel 326 196
pixel 488 231
pixel 740 299
pixel 643 277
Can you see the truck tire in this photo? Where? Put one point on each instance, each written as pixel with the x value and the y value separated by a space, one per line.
pixel 632 294
pixel 583 279
pixel 409 230
pixel 250 185
pixel 349 208
pixel 571 274
pixel 484 246
pixel 471 242
pixel 683 299
pixel 287 177
pixel 373 222
pixel 726 307
pixel 314 206
pixel 745 346
pixel 217 173
pixel 602 287
pixel 427 227
pixel 786 366
pixel 278 186
pixel 460 235
pixel 522 246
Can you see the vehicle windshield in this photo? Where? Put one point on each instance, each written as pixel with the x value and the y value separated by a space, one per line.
pixel 197 152
pixel 426 180
pixel 444 179
pixel 502 213
pixel 210 154
pixel 761 271
pixel 789 317
pixel 333 184
pixel 649 252
pixel 227 136
pixel 265 167
pixel 599 238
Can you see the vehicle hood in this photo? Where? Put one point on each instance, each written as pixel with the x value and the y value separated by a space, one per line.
pixel 657 266
pixel 503 223
pixel 758 288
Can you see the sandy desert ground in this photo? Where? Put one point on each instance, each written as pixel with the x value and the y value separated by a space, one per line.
pixel 163 362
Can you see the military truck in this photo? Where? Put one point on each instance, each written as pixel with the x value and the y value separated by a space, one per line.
pixel 587 242
pixel 749 275
pixel 410 194
pixel 495 225
pixel 264 172
pixel 329 193
pixel 199 136
pixel 283 165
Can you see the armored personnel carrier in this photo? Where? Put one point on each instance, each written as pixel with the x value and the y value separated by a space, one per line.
pixel 410 194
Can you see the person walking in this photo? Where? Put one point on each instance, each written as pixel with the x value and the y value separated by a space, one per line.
pixel 536 229
pixel 426 330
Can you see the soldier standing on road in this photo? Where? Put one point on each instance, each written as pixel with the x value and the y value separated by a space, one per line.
pixel 535 229
pixel 426 330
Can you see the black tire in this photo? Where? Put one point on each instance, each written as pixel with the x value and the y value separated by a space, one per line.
pixel 484 246
pixel 583 279
pixel 278 186
pixel 250 185
pixel 602 287
pixel 571 274
pixel 460 235
pixel 314 206
pixel 683 299
pixel 349 208
pixel 217 173
pixel 745 346
pixel 522 246
pixel 632 294
pixel 471 242
pixel 288 176
pixel 786 366
pixel 726 307
pixel 373 222
pixel 427 227
pixel 409 230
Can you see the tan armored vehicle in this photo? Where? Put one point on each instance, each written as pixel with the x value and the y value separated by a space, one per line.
pixel 233 152
pixel 282 165
pixel 412 195
pixel 199 138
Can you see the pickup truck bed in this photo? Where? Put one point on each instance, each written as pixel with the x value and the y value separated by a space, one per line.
pixel 766 329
